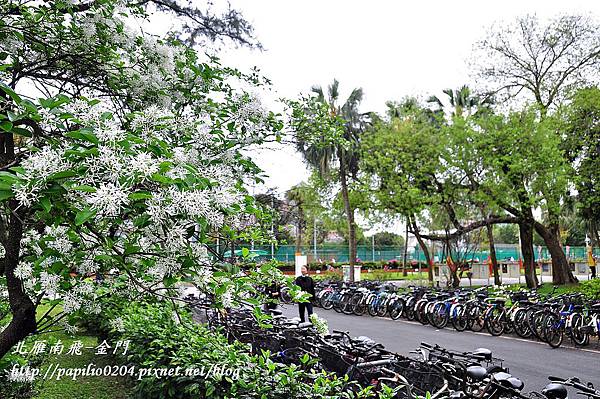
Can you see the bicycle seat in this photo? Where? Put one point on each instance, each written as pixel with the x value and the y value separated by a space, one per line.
pixel 508 380
pixel 476 373
pixel 555 391
pixel 483 352
pixel 516 383
pixel 275 312
pixel 305 324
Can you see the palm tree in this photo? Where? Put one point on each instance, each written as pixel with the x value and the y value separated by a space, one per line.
pixel 323 157
pixel 463 101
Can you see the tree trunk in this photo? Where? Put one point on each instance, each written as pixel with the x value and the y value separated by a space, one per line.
pixel 350 217
pixel 526 234
pixel 404 272
pixel 490 233
pixel 424 248
pixel 454 280
pixel 561 273
pixel 22 308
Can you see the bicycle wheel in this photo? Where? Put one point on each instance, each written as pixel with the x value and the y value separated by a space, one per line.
pixel 396 309
pixel 409 311
pixel 520 324
pixel 459 319
pixel 337 303
pixel 285 295
pixel 358 305
pixel 382 308
pixel 476 322
pixel 374 306
pixel 553 330
pixel 535 320
pixel 578 336
pixel 421 314
pixel 439 315
pixel 346 303
pixel 327 301
pixel 494 321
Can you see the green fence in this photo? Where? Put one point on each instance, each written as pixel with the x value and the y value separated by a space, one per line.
pixel 325 253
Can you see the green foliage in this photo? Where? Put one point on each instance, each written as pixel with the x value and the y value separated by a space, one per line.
pixel 591 288
pixel 18 390
pixel 506 234
pixel 401 156
pixel 161 338
pixel 385 238
pixel 580 142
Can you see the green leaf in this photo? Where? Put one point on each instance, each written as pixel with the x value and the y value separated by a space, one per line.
pixel 62 175
pixel 12 116
pixel 87 189
pixel 161 179
pixel 8 177
pixel 83 216
pixel 21 132
pixel 84 136
pixel 45 202
pixel 245 252
pixel 5 194
pixel 6 126
pixel 140 196
pixel 10 92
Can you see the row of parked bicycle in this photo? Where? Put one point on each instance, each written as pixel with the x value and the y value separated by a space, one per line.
pixel 431 371
pixel 526 313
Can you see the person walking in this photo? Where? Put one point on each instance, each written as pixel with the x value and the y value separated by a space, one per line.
pixel 306 284
pixel 591 261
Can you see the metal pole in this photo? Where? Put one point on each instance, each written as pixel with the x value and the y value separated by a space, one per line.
pixel 373 246
pixel 315 240
pixel 272 229
pixel 405 247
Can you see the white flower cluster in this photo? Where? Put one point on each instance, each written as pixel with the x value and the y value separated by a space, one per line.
pixel 49 283
pixel 164 267
pixel 227 298
pixel 57 239
pixel 38 167
pixel 109 199
pixel 23 271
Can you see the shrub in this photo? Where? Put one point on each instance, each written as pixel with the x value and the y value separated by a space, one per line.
pixel 158 340
pixel 591 288
pixel 14 389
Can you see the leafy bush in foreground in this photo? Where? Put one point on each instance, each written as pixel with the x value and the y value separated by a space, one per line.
pixel 162 338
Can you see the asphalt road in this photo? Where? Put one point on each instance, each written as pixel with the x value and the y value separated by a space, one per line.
pixel 530 361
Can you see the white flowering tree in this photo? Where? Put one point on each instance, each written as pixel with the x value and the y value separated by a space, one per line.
pixel 119 157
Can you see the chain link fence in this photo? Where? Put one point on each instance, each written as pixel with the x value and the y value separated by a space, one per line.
pixel 369 253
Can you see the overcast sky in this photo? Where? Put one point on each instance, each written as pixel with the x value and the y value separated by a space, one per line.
pixel 389 48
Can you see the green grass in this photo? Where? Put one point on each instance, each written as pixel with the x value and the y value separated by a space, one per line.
pixel 547 288
pixel 375 275
pixel 83 387
pixel 387 276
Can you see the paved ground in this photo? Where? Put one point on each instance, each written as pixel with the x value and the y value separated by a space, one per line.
pixel 530 361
